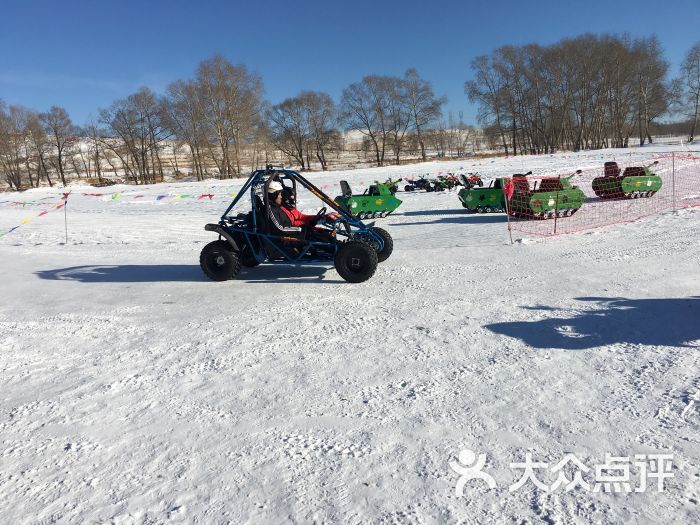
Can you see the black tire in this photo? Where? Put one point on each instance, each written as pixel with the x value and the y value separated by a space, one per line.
pixel 384 254
pixel 356 261
pixel 219 262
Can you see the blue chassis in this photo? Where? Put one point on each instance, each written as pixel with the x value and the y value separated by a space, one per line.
pixel 342 226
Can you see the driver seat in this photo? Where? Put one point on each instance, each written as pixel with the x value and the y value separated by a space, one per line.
pixel 345 189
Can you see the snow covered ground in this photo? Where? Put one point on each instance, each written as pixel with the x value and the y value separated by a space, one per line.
pixel 133 390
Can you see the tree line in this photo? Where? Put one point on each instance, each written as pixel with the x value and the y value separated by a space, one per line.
pixel 586 92
pixel 220 121
pixel 580 93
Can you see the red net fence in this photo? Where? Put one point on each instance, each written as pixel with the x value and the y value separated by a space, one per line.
pixel 614 193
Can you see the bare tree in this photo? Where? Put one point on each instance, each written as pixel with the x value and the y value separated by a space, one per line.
pixel 13 144
pixel 653 91
pixel 687 88
pixel 323 125
pixel 586 92
pixel 60 129
pixel 399 114
pixel 424 108
pixel 137 121
pixel 233 100
pixel 290 128
pixel 95 138
pixel 366 107
pixel 487 90
pixel 38 146
pixel 185 118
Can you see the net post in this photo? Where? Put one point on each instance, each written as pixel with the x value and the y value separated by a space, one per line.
pixel 510 231
pixel 673 178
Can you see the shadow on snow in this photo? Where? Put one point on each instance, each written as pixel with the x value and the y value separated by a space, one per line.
pixel 420 213
pixel 155 273
pixel 486 218
pixel 656 322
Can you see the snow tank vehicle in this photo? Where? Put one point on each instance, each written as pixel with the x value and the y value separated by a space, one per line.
pixel 483 200
pixel 549 197
pixel 377 201
pixel 635 182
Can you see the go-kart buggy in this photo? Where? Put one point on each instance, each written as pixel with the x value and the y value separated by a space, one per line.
pixel 249 239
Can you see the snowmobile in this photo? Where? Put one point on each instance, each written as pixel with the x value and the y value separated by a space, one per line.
pixel 636 182
pixel 555 196
pixel 249 239
pixel 377 201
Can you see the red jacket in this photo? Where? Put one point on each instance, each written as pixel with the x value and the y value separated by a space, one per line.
pixel 299 219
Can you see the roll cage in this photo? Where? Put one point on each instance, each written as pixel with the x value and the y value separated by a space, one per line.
pixel 265 240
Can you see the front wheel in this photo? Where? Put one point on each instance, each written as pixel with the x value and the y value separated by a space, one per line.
pixel 356 261
pixel 219 262
pixel 384 253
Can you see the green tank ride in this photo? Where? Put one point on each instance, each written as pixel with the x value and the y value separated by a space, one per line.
pixel 636 182
pixel 554 196
pixel 393 185
pixel 483 200
pixel 377 201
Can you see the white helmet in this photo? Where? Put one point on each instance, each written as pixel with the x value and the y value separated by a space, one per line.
pixel 274 187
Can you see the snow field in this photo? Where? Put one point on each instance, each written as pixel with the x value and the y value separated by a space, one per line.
pixel 136 391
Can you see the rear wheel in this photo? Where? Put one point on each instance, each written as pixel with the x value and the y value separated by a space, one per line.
pixel 219 262
pixel 356 261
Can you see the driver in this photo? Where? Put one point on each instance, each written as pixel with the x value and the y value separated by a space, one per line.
pixel 277 215
pixel 296 218
pixel 287 219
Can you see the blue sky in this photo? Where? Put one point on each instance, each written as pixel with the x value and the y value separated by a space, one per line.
pixel 84 55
